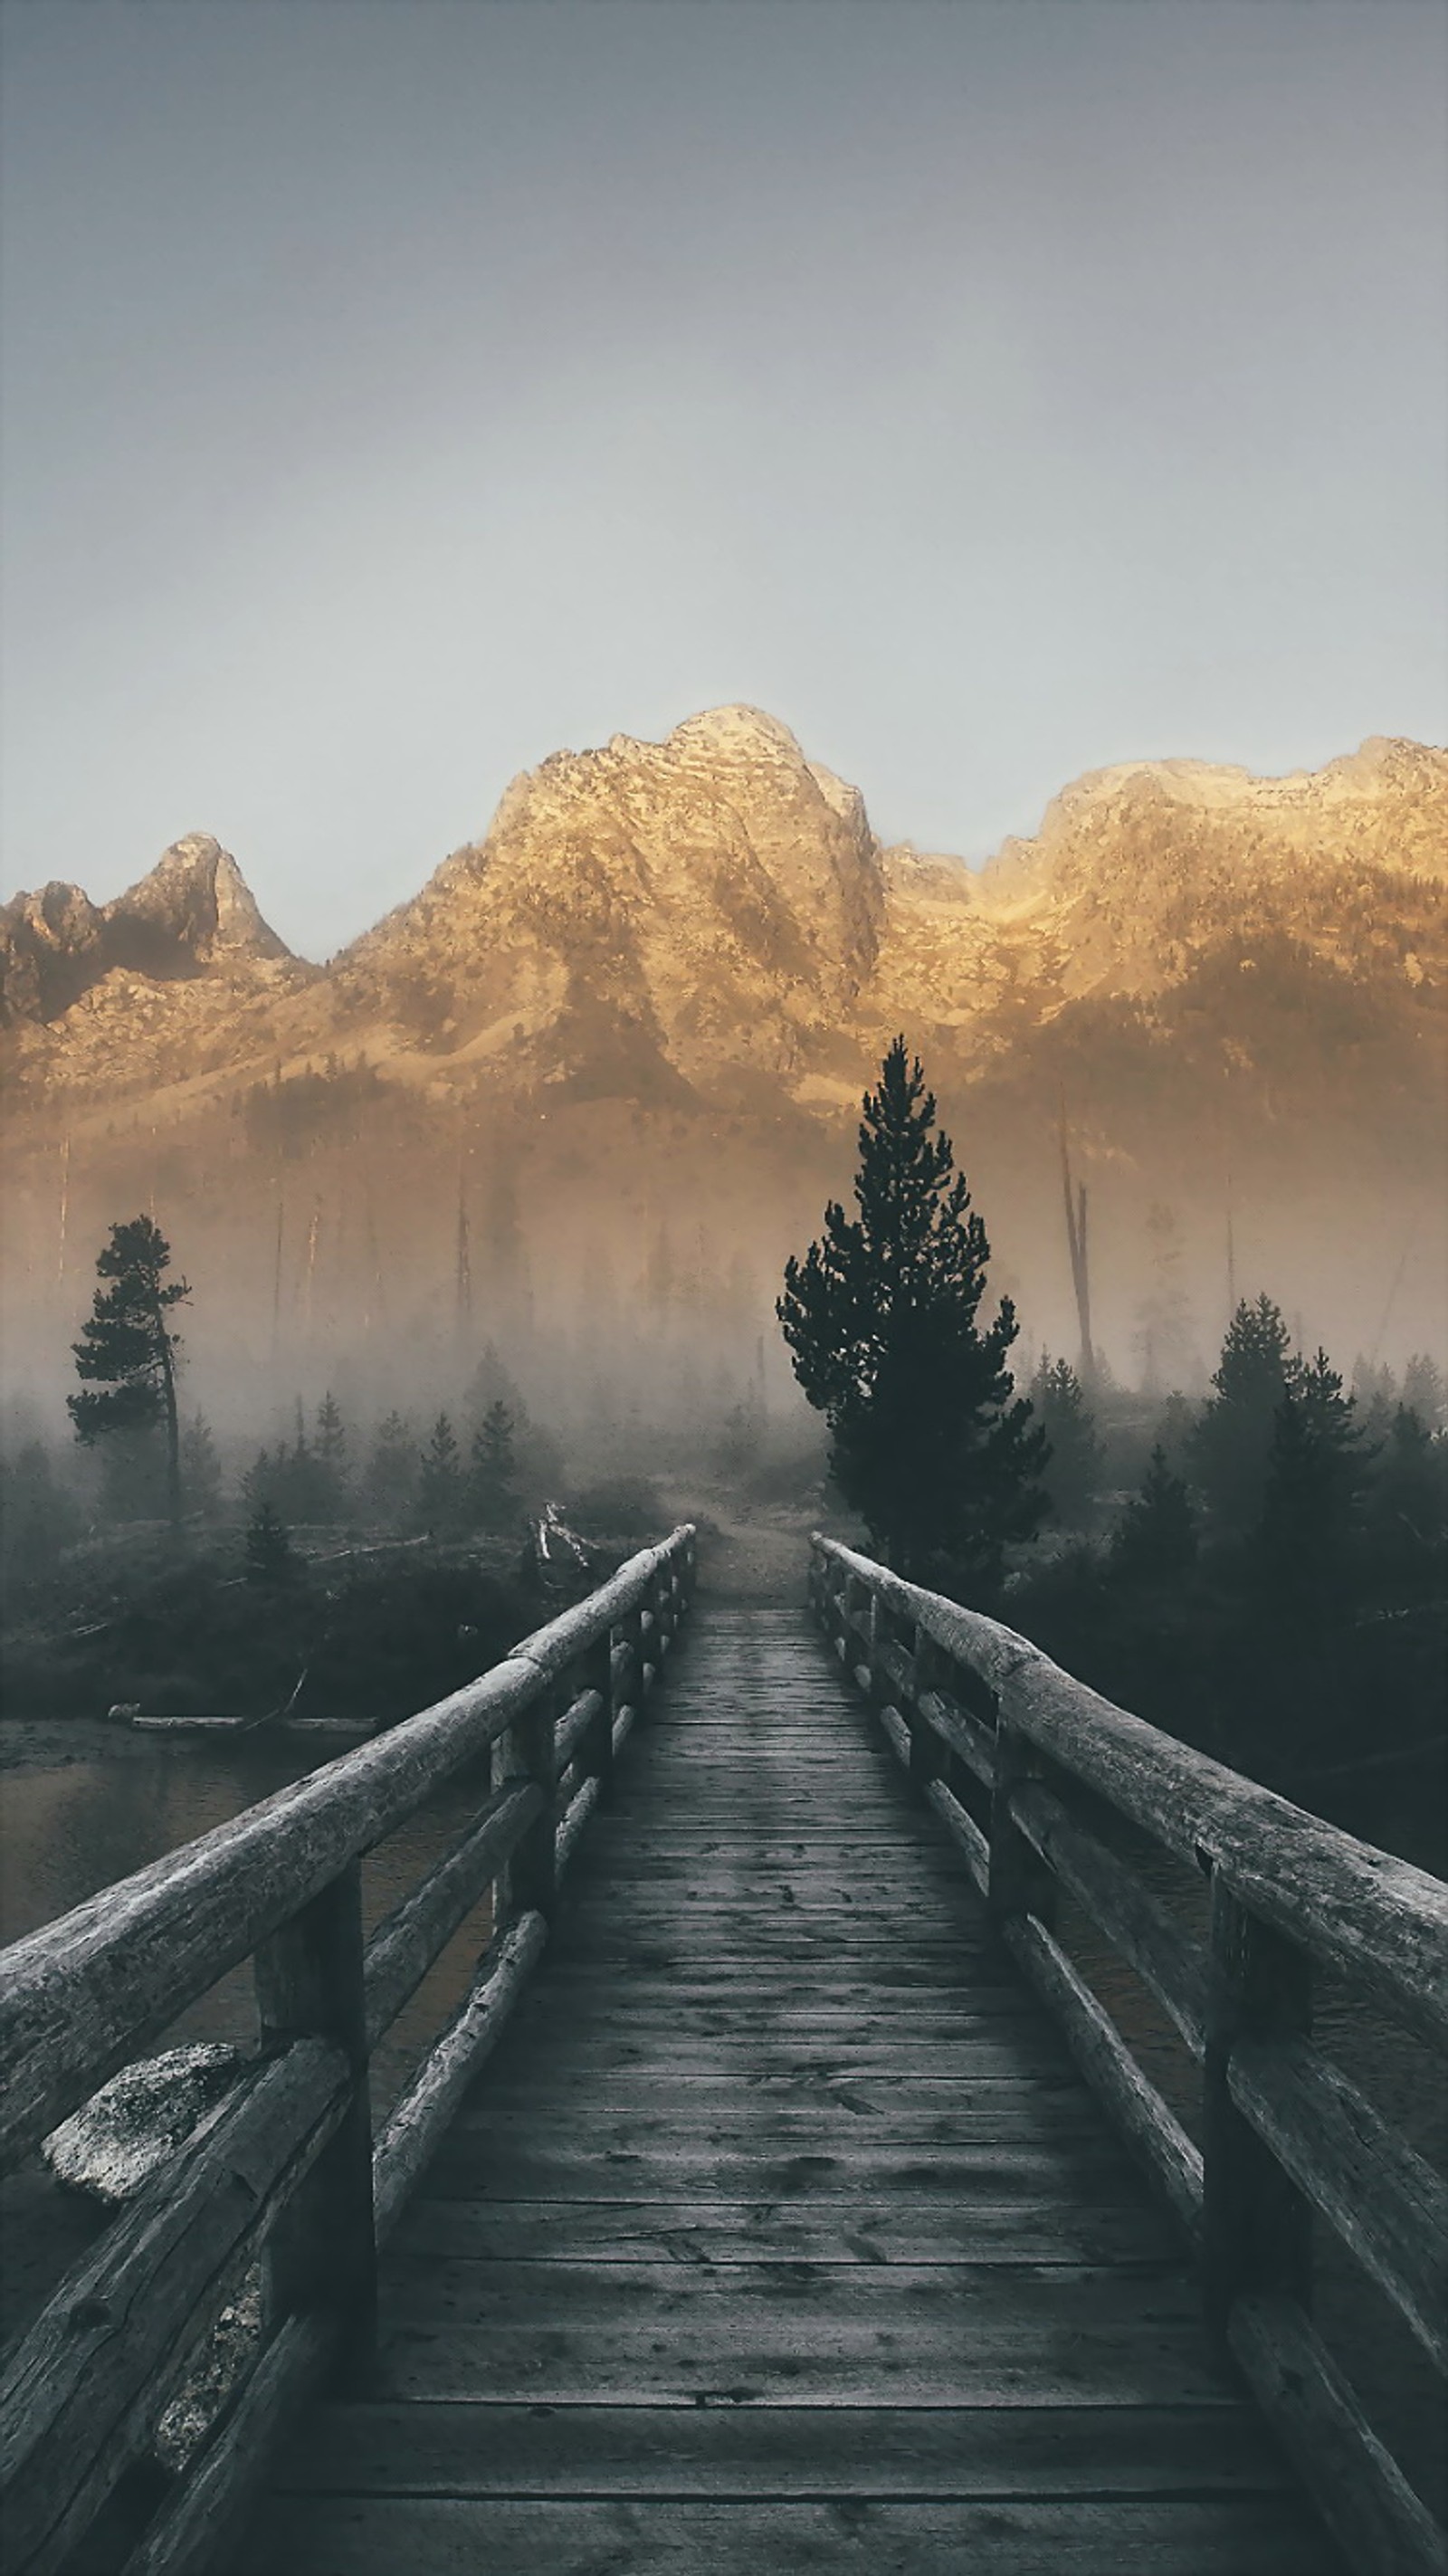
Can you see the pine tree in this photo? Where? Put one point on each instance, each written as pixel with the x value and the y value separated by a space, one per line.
pixel 1232 1443
pixel 127 1352
pixel 1074 1455
pixel 440 1484
pixel 492 1488
pixel 1407 1509
pixel 1155 1540
pixel 259 1484
pixel 200 1466
pixel 330 1452
pixel 391 1482
pixel 269 1554
pixel 1312 1501
pixel 880 1317
pixel 1425 1391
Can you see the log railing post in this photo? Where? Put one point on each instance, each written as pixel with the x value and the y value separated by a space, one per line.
pixel 533 1874
pixel 631 1630
pixel 1014 1867
pixel 925 1746
pixel 597 1674
pixel 321 2256
pixel 1256 2224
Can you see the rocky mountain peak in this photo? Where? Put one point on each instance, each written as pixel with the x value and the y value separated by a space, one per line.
pixel 192 910
pixel 193 914
pixel 697 910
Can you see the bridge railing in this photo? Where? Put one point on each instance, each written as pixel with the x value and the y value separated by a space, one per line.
pixel 285 2172
pixel 1045 1786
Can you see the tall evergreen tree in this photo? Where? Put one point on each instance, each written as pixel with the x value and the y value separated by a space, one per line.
pixel 200 1466
pixel 270 1556
pixel 127 1353
pixel 1312 1502
pixel 330 1452
pixel 926 1440
pixel 440 1483
pixel 1074 1454
pixel 493 1500
pixel 1232 1443
pixel 1425 1391
pixel 391 1481
pixel 1155 1540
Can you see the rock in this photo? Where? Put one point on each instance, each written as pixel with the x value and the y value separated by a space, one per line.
pixel 113 2145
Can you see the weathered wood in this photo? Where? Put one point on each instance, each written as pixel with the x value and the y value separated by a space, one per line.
pixel 199 2520
pixel 78 2398
pixel 88 1992
pixel 420 2119
pixel 533 1862
pixel 802 2229
pixel 1150 1941
pixel 1013 1870
pixel 552 1648
pixel 458 2536
pixel 947 2335
pixel 781 2451
pixel 1363 1911
pixel 972 1743
pixel 571 1823
pixel 403 1948
pixel 597 1749
pixel 1257 2224
pixel 1135 2106
pixel 695 2193
pixel 1384 2199
pixel 966 1834
pixel 321 2251
pixel 573 1726
pixel 897 1735
pixel 1385 2529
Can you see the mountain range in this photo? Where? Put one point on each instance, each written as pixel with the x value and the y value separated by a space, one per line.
pixel 704 942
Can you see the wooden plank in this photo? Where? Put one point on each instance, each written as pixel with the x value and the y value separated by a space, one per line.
pixel 937 2335
pixel 560 2169
pixel 457 2537
pixel 714 2079
pixel 810 2229
pixel 1188 2451
pixel 669 2118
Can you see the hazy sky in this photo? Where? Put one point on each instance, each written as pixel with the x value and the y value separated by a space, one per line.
pixel 394 394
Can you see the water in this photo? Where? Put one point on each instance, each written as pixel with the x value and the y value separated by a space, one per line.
pixel 70 1831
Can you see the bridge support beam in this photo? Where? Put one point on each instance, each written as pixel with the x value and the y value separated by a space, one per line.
pixel 321 2256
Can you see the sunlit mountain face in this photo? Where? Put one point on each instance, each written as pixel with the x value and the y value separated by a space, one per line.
pixel 603 1069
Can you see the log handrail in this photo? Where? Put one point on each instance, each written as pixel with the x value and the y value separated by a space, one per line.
pixel 285 2171
pixel 1042 1783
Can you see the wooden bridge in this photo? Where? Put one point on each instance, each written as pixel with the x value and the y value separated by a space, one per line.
pixel 813 2213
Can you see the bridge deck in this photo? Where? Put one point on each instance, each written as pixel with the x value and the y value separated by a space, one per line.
pixel 780 2231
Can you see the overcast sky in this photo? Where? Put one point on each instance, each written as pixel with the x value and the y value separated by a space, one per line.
pixel 394 394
